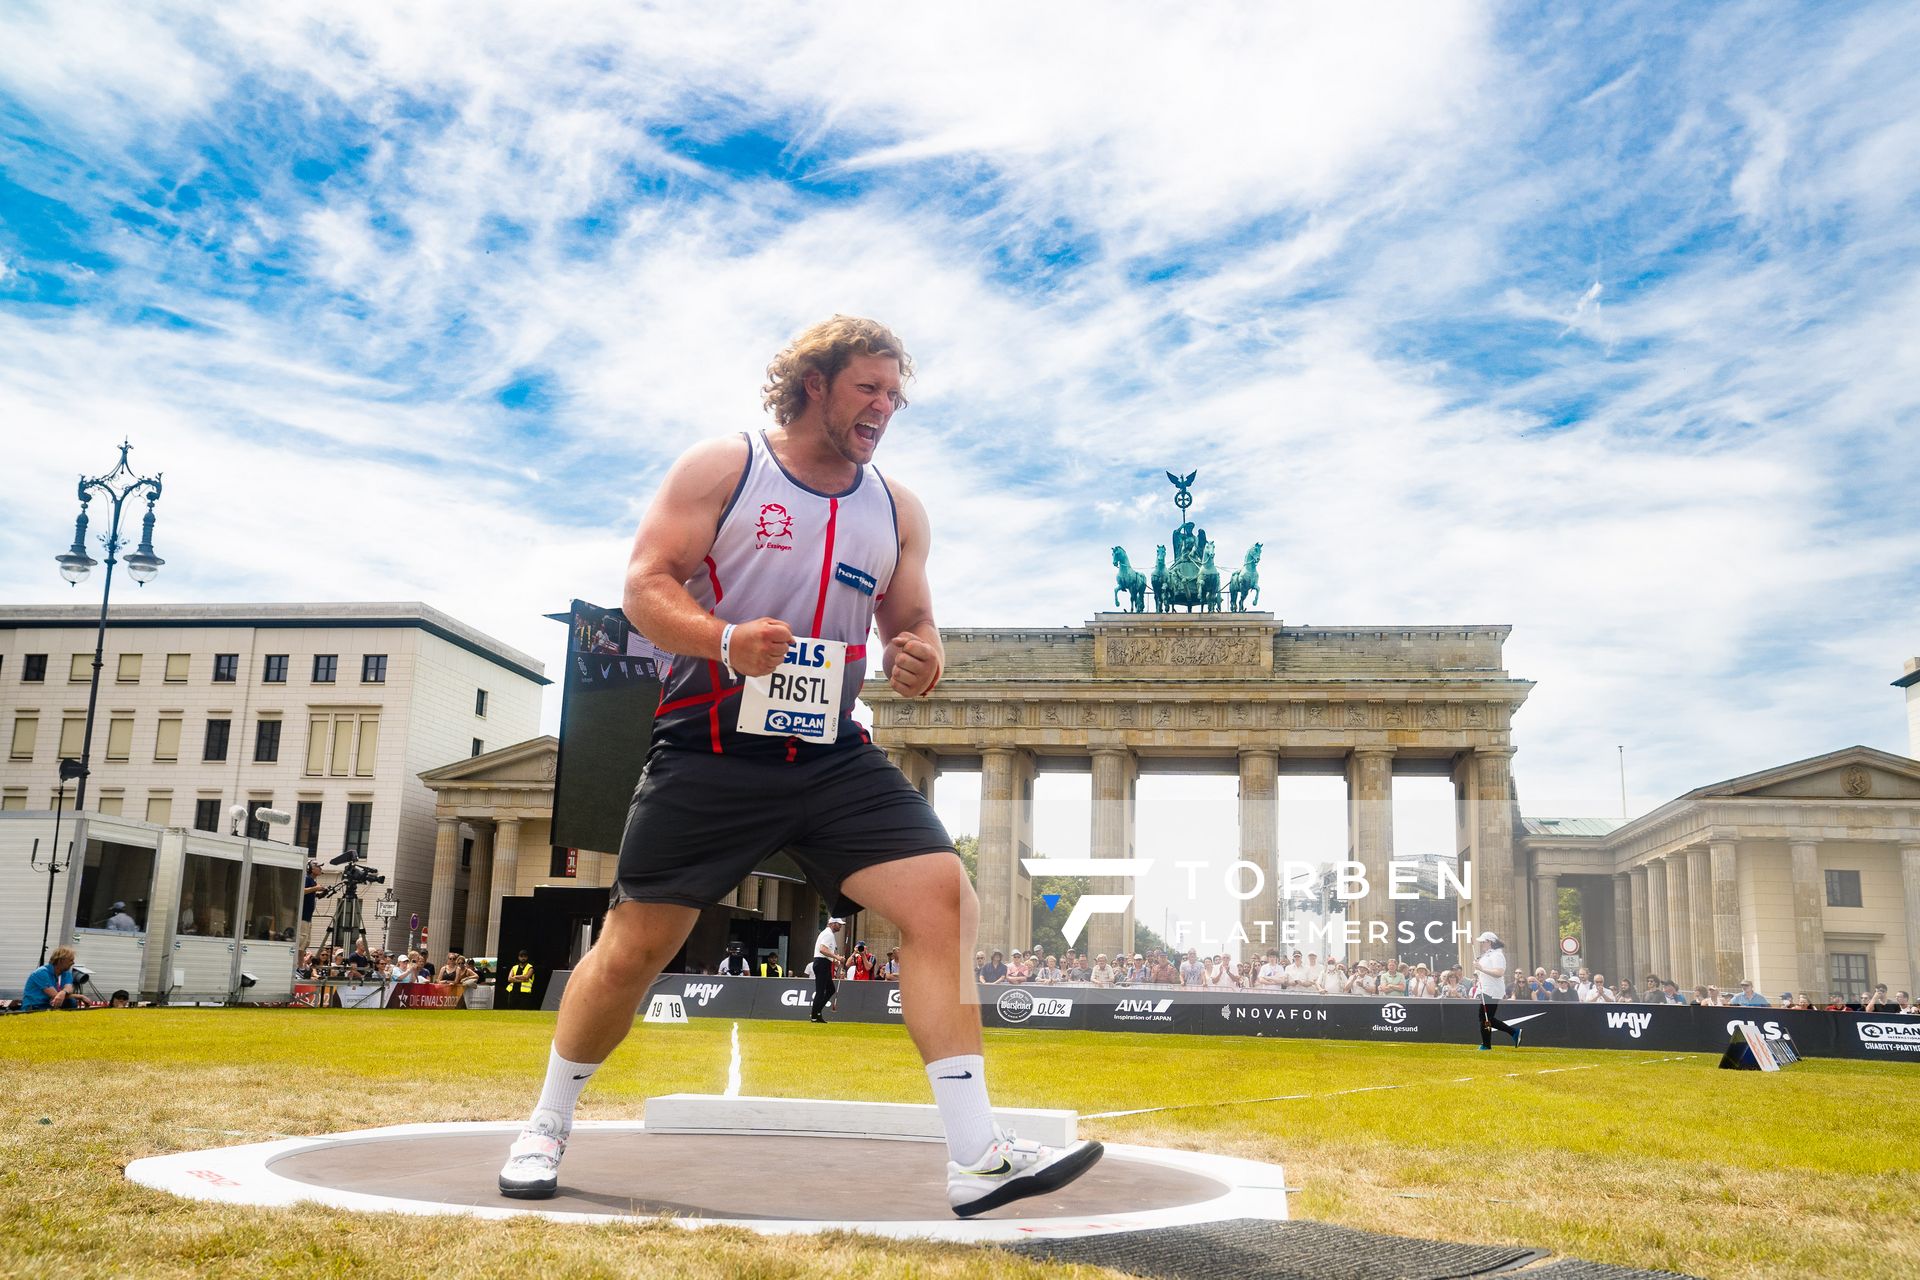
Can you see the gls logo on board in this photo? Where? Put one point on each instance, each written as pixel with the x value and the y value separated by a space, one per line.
pixel 1635 1023
pixel 795 997
pixel 1770 1029
pixel 701 992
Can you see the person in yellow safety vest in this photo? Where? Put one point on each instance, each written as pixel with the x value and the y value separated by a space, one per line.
pixel 769 967
pixel 520 984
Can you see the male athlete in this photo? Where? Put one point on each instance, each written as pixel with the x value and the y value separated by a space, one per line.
pixel 756 547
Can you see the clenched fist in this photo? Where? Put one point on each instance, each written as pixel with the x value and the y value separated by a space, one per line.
pixel 760 646
pixel 912 665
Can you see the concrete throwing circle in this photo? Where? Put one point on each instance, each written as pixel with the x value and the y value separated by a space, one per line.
pixel 777 1184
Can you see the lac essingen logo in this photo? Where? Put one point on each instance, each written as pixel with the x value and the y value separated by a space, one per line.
pixel 774 531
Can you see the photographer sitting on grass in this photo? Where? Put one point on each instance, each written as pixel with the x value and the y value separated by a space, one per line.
pixel 51 985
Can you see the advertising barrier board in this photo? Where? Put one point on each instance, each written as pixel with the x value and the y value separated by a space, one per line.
pixel 1637 1027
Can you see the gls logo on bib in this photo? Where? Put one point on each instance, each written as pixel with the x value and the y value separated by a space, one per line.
pixel 801 697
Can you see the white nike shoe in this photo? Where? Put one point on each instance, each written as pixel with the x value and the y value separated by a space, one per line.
pixel 532 1170
pixel 1013 1170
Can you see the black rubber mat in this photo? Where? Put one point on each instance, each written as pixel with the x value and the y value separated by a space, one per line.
pixel 1245 1248
pixel 1572 1269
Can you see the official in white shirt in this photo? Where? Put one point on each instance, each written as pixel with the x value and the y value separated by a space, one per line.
pixel 1490 968
pixel 826 950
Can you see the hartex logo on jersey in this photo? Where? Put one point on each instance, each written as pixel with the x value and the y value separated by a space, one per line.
pixel 701 992
pixel 1634 1023
pixel 1090 904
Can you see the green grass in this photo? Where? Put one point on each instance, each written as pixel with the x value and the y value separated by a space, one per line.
pixel 1632 1158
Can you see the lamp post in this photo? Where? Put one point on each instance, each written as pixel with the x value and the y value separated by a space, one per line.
pixel 142 564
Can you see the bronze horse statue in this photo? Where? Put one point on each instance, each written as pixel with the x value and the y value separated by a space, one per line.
pixel 1243 588
pixel 1131 581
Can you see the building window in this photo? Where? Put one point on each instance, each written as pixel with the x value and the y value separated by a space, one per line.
pixel 342 745
pixel 13 800
pixel 1843 888
pixel 325 667
pixel 216 744
pixel 1848 970
pixel 266 742
pixel 359 825
pixel 478 746
pixel 257 830
pixel 480 702
pixel 129 669
pixel 177 668
pixel 25 729
pixel 120 738
pixel 276 672
pixel 33 669
pixel 80 669
pixel 166 739
pixel 73 732
pixel 466 852
pixel 159 810
pixel 206 814
pixel 226 668
pixel 114 873
pixel 306 825
pixel 373 669
pixel 112 804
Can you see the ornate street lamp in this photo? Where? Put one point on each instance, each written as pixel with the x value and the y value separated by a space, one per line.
pixel 76 564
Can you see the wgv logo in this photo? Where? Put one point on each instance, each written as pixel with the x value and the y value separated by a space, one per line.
pixel 1635 1023
pixel 796 722
pixel 701 992
pixel 1090 904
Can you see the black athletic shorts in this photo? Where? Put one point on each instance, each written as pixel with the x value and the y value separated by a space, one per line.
pixel 700 823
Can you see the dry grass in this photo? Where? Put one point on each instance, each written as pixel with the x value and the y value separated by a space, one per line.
pixel 1622 1158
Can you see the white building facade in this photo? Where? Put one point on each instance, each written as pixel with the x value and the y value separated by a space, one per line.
pixel 329 712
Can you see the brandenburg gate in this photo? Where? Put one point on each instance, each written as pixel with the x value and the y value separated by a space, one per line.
pixel 1218 693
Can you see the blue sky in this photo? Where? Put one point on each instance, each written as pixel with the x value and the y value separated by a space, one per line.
pixel 1599 322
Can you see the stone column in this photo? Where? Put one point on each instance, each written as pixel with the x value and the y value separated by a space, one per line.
pixel 479 892
pixel 767 898
pixel 1546 922
pixel 999 870
pixel 1910 881
pixel 446 872
pixel 1620 963
pixel 506 876
pixel 1658 955
pixel 1493 843
pixel 1809 923
pixel 1679 923
pixel 1260 844
pixel 1112 837
pixel 1370 842
pixel 1728 930
pixel 1700 914
pixel 1641 960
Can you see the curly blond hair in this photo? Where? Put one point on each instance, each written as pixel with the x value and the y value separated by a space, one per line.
pixel 826 348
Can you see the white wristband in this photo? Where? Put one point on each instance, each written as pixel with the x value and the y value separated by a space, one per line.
pixel 726 648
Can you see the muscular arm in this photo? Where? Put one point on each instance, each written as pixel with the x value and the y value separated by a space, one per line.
pixel 674 538
pixel 914 654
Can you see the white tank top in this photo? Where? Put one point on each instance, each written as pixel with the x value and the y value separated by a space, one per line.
pixel 819 562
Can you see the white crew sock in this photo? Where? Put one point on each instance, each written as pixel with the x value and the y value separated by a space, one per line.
pixel 554 1112
pixel 960 1091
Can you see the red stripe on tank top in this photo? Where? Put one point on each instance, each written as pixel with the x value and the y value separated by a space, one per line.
pixel 713 580
pixel 826 567
pixel 713 711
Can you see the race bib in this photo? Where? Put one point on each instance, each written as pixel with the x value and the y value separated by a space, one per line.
pixel 801 698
